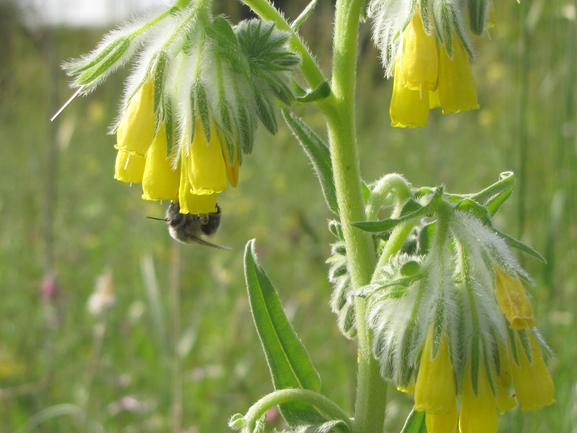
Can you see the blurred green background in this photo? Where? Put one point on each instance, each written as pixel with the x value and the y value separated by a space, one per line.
pixel 177 351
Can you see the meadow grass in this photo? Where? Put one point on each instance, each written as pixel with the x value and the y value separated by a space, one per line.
pixel 178 349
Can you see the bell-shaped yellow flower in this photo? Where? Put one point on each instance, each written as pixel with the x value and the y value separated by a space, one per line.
pixel 160 179
pixel 442 422
pixel 435 387
pixel 203 162
pixel 136 128
pixel 189 201
pixel 533 384
pixel 409 108
pixel 419 62
pixel 504 399
pixel 478 409
pixel 513 300
pixel 129 166
pixel 456 82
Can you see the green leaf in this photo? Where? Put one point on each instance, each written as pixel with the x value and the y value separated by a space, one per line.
pixel 203 109
pixel 322 91
pixel 319 154
pixel 304 15
pixel 415 423
pixel 159 74
pixel 288 360
pixel 478 10
pixel 512 242
pixel 478 211
pixel 411 209
pixel 265 112
pixel 426 237
pixel 495 195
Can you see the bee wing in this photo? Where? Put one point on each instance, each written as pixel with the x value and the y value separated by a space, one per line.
pixel 201 241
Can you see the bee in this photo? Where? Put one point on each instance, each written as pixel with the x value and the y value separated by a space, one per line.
pixel 190 228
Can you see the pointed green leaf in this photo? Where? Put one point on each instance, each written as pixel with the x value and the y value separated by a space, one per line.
pixel 495 195
pixel 322 91
pixel 411 209
pixel 478 211
pixel 415 423
pixel 159 74
pixel 512 242
pixel 203 109
pixel 288 360
pixel 319 154
pixel 478 10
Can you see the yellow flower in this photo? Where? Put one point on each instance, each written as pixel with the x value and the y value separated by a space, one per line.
pixel 136 128
pixel 202 161
pixel 129 166
pixel 160 179
pixel 456 83
pixel 435 386
pixel 419 61
pixel 415 74
pixel 478 409
pixel 426 77
pixel 533 384
pixel 513 300
pixel 504 400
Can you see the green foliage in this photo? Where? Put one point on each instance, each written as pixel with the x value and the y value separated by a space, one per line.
pixel 289 362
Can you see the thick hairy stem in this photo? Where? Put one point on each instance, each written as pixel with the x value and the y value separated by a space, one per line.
pixel 340 111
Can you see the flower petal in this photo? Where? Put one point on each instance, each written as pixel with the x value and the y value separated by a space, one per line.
pixel 129 166
pixel 533 383
pixel 478 411
pixel 513 301
pixel 206 168
pixel 435 387
pixel 456 83
pixel 409 108
pixel 419 62
pixel 136 128
pixel 160 180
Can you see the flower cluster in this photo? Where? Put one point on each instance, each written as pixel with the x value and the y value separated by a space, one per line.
pixel 453 322
pixel 424 44
pixel 194 100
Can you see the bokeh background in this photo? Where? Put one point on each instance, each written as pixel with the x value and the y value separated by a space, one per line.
pixel 176 350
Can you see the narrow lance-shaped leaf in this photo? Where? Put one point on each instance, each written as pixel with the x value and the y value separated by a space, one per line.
pixel 495 195
pixel 415 423
pixel 512 242
pixel 319 154
pixel 288 360
pixel 411 209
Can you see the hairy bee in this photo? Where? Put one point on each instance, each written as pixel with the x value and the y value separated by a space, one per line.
pixel 189 228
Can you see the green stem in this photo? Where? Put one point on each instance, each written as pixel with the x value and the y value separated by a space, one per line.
pixel 276 398
pixel 309 67
pixel 339 108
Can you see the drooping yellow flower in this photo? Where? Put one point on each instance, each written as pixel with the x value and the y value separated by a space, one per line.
pixel 478 409
pixel 419 62
pixel 435 387
pixel 409 108
pixel 513 300
pixel 160 179
pixel 533 384
pixel 504 400
pixel 415 74
pixel 136 128
pixel 203 162
pixel 425 77
pixel 129 166
pixel 456 83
